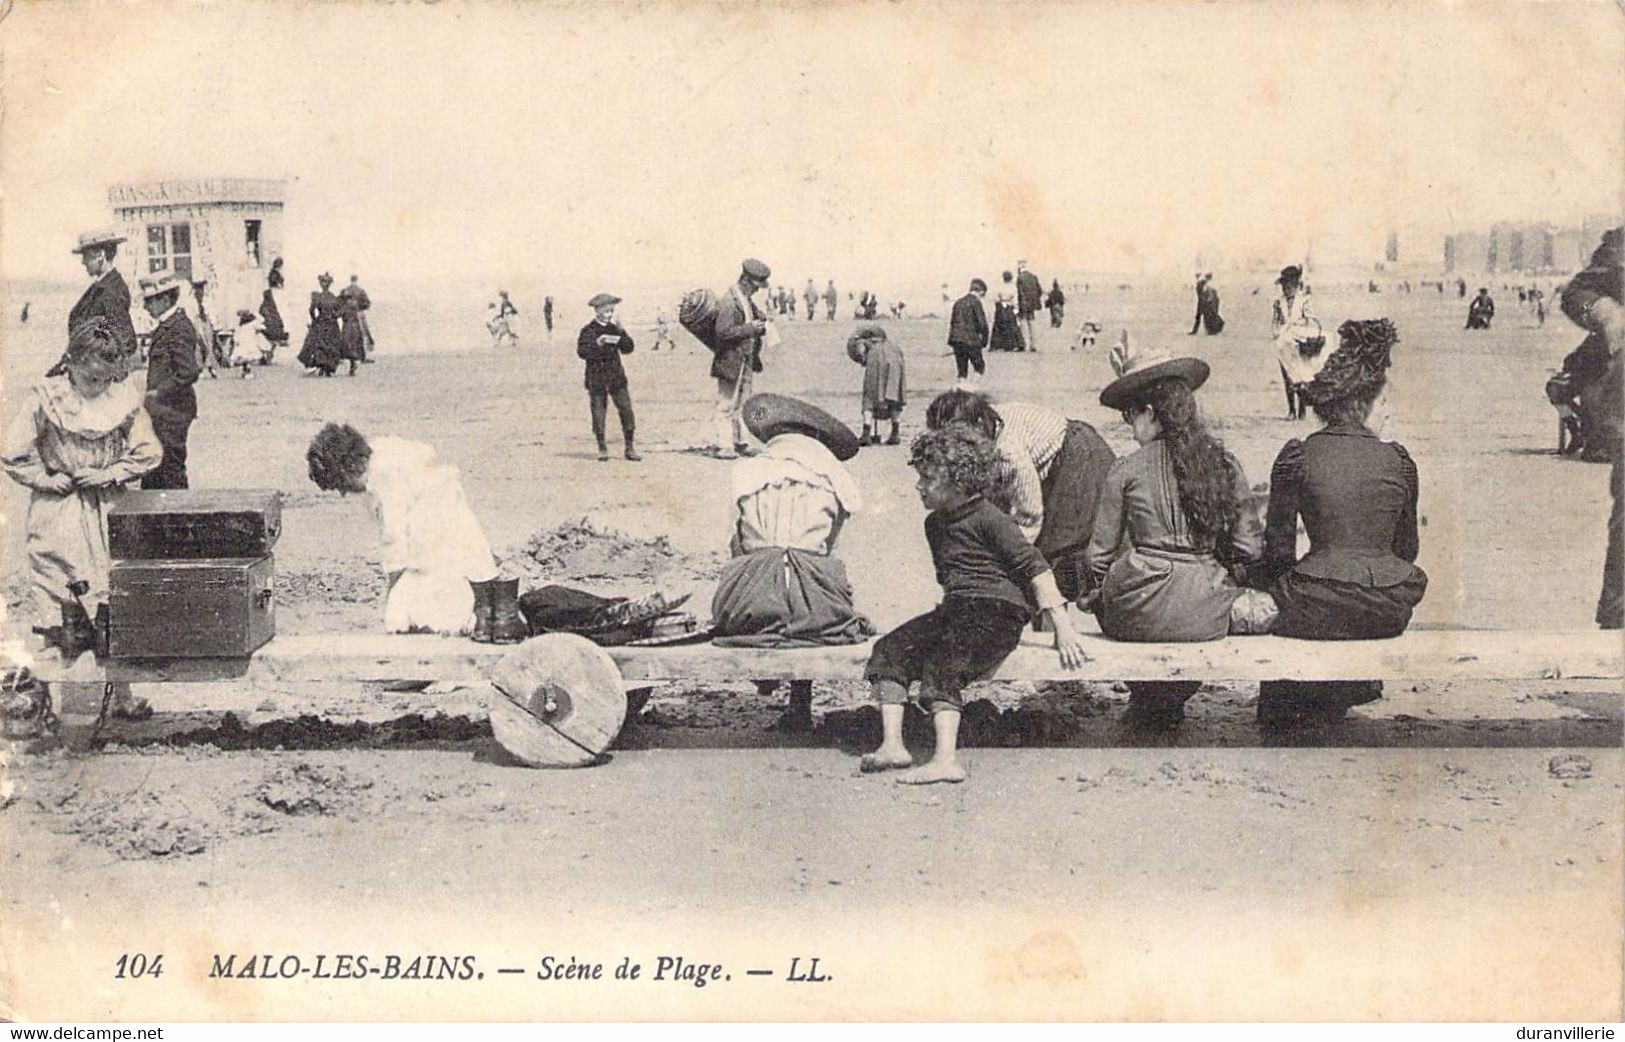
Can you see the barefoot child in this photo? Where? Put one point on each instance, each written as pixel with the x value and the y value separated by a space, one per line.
pixel 983 563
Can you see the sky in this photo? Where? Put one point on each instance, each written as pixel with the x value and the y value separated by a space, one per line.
pixel 649 141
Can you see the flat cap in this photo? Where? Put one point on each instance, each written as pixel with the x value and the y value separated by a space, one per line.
pixel 756 269
pixel 602 299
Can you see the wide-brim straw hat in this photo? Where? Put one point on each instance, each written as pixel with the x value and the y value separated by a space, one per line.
pixel 99 237
pixel 158 285
pixel 769 415
pixel 1141 371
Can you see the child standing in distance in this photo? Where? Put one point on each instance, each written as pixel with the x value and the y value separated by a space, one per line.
pixel 983 563
pixel 883 398
pixel 601 344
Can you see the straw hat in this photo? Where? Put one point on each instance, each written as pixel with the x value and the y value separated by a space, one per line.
pixel 1136 371
pixel 99 237
pixel 158 285
pixel 769 415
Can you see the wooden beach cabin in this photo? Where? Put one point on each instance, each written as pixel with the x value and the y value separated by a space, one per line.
pixel 223 230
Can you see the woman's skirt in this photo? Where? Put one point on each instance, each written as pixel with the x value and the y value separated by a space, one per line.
pixel 1163 595
pixel 321 349
pixel 785 598
pixel 275 331
pixel 883 380
pixel 1006 334
pixel 1317 608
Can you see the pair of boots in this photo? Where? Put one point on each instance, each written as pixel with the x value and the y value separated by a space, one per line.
pixel 869 437
pixel 631 452
pixel 496 612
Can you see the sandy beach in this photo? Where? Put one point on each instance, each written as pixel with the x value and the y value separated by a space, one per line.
pixel 1453 852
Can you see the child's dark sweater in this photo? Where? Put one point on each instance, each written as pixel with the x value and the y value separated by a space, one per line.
pixel 979 552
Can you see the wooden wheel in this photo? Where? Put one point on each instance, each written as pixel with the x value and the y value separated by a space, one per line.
pixel 559 701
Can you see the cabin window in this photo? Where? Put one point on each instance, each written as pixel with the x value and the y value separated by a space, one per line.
pixel 169 248
pixel 251 242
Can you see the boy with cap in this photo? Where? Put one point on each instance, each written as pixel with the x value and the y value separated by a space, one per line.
pixel 601 344
pixel 172 369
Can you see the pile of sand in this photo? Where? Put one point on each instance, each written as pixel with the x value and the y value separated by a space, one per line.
pixel 579 551
pixel 341 585
pixel 151 824
pixel 311 789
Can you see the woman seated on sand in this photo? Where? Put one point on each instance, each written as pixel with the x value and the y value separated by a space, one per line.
pixel 443 577
pixel 1168 531
pixel 1357 496
pixel 784 587
pixel 1053 469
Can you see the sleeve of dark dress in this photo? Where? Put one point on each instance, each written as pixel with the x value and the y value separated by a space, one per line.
pixel 1108 529
pixel 1281 519
pixel 1406 540
pixel 1022 559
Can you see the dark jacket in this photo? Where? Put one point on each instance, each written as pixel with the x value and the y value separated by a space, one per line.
pixel 980 553
pixel 1357 495
pixel 109 298
pixel 172 369
pixel 1029 294
pixel 604 371
pixel 967 329
pixel 1595 368
pixel 737 342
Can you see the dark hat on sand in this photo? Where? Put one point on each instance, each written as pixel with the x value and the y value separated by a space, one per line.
pixel 602 299
pixel 1359 366
pixel 1136 372
pixel 769 415
pixel 756 269
pixel 1290 273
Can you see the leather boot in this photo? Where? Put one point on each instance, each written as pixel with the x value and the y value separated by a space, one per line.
pixel 78 634
pixel 482 612
pixel 507 625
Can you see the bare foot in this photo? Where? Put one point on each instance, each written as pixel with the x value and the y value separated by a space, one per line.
pixel 933 773
pixel 884 759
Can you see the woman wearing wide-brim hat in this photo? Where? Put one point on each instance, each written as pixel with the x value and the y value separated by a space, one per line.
pixel 1357 495
pixel 784 587
pixel 1168 529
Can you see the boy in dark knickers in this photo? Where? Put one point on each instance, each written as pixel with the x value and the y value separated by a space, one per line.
pixel 982 562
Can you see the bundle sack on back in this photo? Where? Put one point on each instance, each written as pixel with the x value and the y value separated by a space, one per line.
pixel 697 313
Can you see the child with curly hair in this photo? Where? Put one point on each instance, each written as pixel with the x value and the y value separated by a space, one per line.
pixel 982 562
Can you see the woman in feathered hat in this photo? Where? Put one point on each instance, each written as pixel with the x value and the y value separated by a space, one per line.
pixel 1357 496
pixel 323 348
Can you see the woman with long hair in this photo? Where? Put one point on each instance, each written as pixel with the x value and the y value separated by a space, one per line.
pixel 1357 496
pixel 1169 540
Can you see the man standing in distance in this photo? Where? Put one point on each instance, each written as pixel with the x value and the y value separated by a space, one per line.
pixel 1029 298
pixel 738 356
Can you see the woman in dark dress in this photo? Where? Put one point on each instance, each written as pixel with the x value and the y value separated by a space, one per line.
pixel 1357 496
pixel 1006 333
pixel 323 347
pixel 275 332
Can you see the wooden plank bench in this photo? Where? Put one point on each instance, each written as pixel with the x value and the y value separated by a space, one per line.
pixel 1420 654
